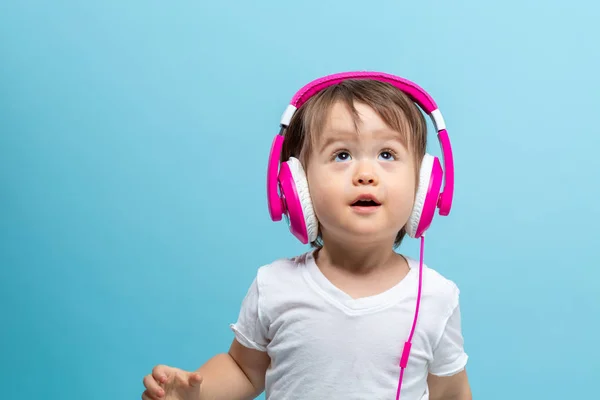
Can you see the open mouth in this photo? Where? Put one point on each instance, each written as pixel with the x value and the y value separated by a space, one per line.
pixel 365 203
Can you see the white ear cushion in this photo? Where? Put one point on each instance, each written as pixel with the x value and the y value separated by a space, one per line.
pixel 424 178
pixel 310 219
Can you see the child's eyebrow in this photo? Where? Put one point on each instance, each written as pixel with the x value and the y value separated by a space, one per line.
pixel 338 135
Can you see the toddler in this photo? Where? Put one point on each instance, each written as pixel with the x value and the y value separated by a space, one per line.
pixel 351 318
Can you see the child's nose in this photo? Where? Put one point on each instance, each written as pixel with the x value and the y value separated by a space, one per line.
pixel 365 178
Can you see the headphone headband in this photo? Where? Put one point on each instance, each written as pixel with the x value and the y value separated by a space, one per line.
pixel 412 90
pixel 417 94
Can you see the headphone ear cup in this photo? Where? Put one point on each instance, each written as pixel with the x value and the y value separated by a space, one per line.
pixel 426 199
pixel 301 216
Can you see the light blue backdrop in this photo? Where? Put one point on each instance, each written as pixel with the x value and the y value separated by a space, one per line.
pixel 134 138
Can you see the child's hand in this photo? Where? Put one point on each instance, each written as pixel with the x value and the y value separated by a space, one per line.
pixel 169 383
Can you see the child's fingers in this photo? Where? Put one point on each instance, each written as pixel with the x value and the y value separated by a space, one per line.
pixel 152 387
pixel 146 396
pixel 195 379
pixel 162 373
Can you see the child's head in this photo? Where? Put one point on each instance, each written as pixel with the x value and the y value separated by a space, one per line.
pixel 354 138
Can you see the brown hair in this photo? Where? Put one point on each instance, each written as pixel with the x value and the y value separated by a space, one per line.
pixel 390 103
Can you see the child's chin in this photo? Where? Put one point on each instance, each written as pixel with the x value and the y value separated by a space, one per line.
pixel 368 232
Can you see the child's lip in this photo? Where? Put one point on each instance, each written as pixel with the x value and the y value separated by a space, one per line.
pixel 367 197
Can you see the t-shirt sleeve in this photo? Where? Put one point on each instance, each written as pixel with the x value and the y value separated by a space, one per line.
pixel 449 356
pixel 250 329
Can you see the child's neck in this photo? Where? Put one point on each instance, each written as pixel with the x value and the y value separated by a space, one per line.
pixel 357 259
pixel 361 270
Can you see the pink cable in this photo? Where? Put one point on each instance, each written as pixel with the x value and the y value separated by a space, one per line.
pixel 408 344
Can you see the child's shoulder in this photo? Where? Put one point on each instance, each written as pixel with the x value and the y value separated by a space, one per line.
pixel 436 287
pixel 283 268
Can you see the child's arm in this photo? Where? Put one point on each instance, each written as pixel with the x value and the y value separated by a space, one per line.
pixel 454 387
pixel 237 375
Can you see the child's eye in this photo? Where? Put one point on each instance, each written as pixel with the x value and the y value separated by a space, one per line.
pixel 387 155
pixel 342 156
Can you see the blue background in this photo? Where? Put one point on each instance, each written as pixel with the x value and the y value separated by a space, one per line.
pixel 134 138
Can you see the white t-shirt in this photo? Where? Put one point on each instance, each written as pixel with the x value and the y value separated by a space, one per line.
pixel 324 344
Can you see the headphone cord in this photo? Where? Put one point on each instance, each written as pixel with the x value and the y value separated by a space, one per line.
pixel 408 344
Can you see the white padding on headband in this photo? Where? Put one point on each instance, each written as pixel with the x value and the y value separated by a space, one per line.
pixel 438 120
pixel 287 115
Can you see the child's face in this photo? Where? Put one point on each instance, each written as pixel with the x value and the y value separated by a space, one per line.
pixel 345 165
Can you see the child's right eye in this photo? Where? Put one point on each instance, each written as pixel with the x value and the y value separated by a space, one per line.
pixel 342 156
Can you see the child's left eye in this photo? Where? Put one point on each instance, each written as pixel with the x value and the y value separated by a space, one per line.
pixel 387 155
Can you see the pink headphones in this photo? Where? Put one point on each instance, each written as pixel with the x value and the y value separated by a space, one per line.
pixel 289 178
